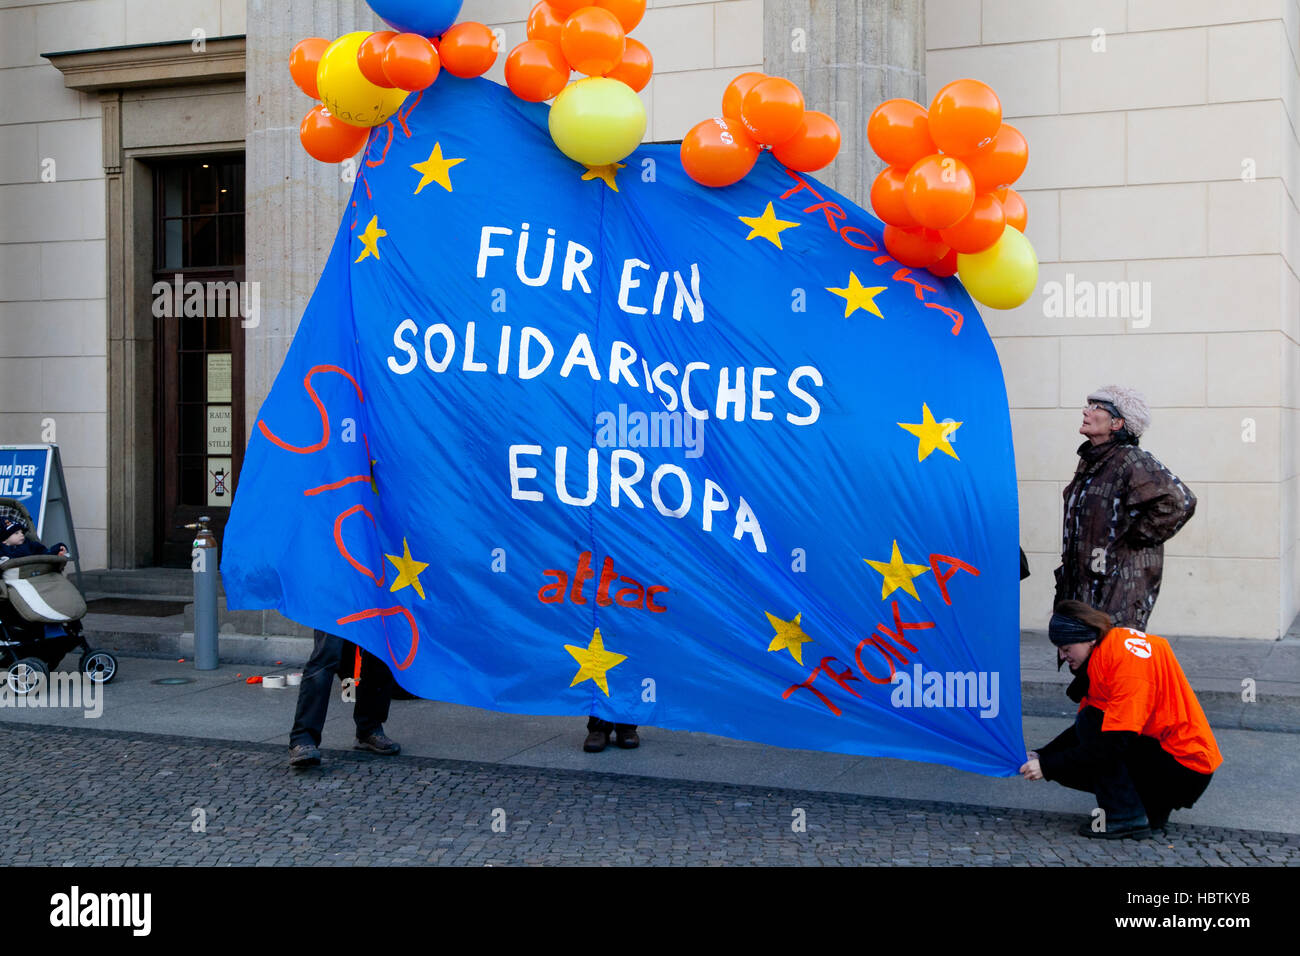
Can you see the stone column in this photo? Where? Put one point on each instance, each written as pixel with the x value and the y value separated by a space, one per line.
pixel 128 524
pixel 293 203
pixel 848 56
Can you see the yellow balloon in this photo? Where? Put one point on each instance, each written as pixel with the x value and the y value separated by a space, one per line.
pixel 597 121
pixel 1004 275
pixel 346 93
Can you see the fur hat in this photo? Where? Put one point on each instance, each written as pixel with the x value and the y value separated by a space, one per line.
pixel 1132 406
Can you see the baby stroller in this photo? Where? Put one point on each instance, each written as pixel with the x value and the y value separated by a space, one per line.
pixel 40 616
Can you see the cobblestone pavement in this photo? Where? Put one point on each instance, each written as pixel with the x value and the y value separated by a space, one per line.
pixel 105 798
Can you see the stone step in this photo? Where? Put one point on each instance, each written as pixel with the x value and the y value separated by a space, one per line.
pixel 264 623
pixel 151 582
pixel 232 648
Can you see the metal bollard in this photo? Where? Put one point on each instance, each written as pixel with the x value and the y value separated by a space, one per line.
pixel 204 565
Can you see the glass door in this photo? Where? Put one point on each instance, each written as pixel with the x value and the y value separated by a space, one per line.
pixel 200 300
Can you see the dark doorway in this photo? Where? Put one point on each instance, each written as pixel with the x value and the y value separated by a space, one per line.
pixel 198 304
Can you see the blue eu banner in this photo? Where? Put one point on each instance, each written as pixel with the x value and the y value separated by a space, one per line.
pixel 553 439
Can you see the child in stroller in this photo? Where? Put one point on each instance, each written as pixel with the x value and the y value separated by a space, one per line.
pixel 14 542
pixel 40 609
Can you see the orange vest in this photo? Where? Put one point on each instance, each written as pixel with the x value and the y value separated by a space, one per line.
pixel 1134 679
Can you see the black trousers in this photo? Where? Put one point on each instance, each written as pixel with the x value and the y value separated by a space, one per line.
pixel 1145 780
pixel 333 655
pixel 595 723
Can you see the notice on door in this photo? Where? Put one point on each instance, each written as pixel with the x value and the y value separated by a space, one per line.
pixel 218 429
pixel 219 390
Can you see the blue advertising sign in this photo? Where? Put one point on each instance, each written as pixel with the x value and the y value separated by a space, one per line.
pixel 25 477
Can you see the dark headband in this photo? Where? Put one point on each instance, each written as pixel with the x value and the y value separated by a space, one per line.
pixel 1064 630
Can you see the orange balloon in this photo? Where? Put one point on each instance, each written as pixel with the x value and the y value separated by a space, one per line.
pixel 328 139
pixel 370 58
pixel 1014 206
pixel 887 198
pixel 814 144
pixel 544 23
pixel 536 71
pixel 1001 162
pixel 567 8
pixel 981 227
pixel 939 191
pixel 947 266
pixel 636 67
pixel 917 248
pixel 593 41
pixel 303 62
pixel 964 116
pixel 468 50
pixel 410 62
pixel 899 132
pixel 772 110
pixel 629 12
pixel 718 152
pixel 734 95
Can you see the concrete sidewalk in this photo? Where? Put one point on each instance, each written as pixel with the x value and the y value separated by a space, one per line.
pixel 1254 790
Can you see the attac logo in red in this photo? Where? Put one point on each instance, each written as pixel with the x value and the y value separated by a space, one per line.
pixel 634 595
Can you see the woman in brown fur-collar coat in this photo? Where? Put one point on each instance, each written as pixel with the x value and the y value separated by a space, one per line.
pixel 1120 509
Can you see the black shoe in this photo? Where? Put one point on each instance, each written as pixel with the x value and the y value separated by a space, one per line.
pixel 304 755
pixel 378 743
pixel 1158 820
pixel 626 738
pixel 1137 829
pixel 596 741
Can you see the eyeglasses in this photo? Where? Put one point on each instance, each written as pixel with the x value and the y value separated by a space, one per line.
pixel 1094 407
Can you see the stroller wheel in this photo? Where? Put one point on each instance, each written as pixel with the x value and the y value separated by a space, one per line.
pixel 27 674
pixel 99 666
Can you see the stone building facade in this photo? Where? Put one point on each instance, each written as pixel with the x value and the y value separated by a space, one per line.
pixel 1164 159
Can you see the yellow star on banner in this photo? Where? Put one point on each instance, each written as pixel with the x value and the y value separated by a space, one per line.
pixel 370 239
pixel 897 574
pixel 789 636
pixel 767 226
pixel 932 434
pixel 605 173
pixel 435 169
pixel 408 570
pixel 594 662
pixel 857 296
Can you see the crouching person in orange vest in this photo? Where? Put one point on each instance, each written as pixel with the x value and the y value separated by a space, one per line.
pixel 1140 742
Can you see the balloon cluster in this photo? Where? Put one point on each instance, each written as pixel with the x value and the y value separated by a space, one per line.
pixel 758 112
pixel 362 78
pixel 946 197
pixel 597 120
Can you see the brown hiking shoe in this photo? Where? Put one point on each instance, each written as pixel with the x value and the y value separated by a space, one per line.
pixel 379 743
pixel 304 755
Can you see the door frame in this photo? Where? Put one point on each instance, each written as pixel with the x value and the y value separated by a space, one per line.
pixel 156 100
pixel 169 515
